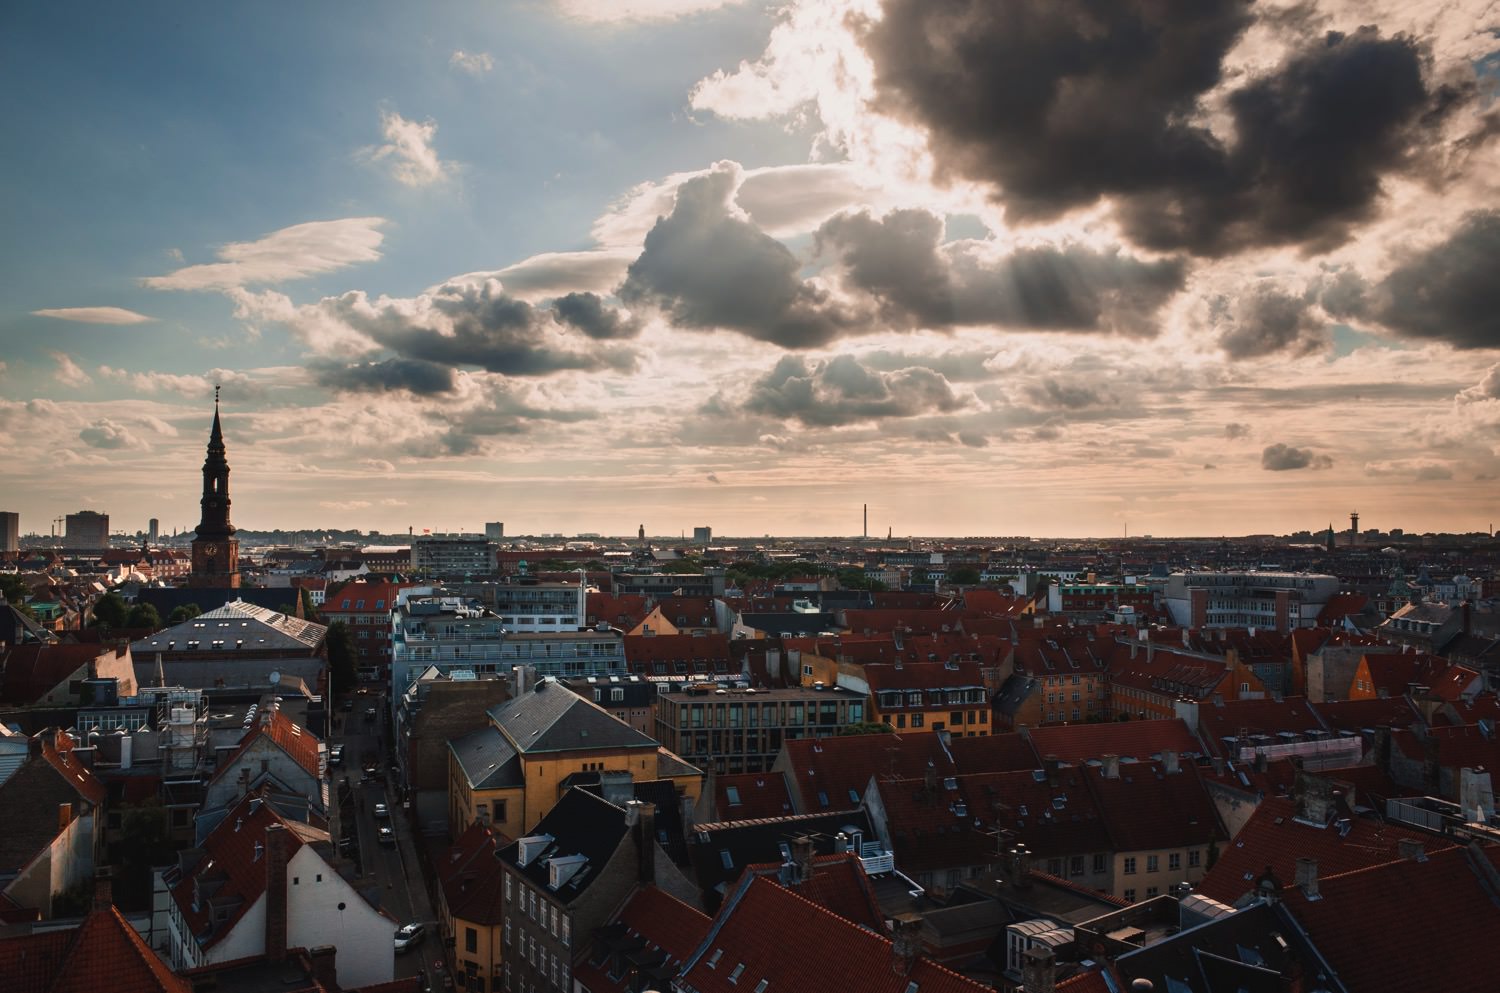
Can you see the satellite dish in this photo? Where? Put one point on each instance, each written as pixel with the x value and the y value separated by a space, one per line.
pixel 275 677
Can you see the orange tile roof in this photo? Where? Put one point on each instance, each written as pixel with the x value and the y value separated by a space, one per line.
pixel 57 749
pixel 470 876
pixel 1146 807
pixel 108 954
pixel 757 931
pixel 300 744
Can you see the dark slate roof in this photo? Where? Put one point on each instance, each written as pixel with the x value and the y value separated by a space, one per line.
pixel 579 824
pixel 550 718
pixel 28 812
pixel 662 793
pixel 791 623
pixel 487 759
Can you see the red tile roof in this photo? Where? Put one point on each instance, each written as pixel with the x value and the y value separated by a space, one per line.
pixel 1274 839
pixel 1439 907
pixel 57 749
pixel 838 884
pixel 624 610
pixel 756 794
pixel 1237 718
pixel 233 857
pixel 470 876
pixel 663 922
pixel 643 650
pixel 30 672
pixel 923 676
pixel 1393 673
pixel 1356 715
pixel 952 822
pixel 757 937
pixel 909 621
pixel 1146 807
pixel 107 953
pixel 1457 747
pixel 1341 605
pixel 836 766
pixel 1077 743
pixel 300 744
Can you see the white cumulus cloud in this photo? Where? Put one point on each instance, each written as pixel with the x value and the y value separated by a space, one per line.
pixel 615 11
pixel 408 150
pixel 68 373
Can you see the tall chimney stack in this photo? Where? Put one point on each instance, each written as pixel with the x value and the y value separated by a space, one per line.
pixel 905 943
pixel 276 895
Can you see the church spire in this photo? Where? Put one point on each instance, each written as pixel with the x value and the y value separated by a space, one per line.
pixel 215 502
pixel 216 435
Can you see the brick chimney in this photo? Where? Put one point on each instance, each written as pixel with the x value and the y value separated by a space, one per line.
pixel 642 820
pixel 906 943
pixel 1051 763
pixel 276 892
pixel 1313 797
pixel 324 966
pixel 1307 877
pixel 1038 970
pixel 802 858
pixel 104 896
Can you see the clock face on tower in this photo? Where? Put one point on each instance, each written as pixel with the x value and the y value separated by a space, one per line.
pixel 210 549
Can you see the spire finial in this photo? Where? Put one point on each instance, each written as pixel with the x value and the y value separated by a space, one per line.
pixel 216 394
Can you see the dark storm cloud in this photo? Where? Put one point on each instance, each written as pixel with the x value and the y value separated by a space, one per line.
pixel 1265 321
pixel 1061 102
pixel 1053 393
pixel 587 313
pixel 1234 430
pixel 476 325
pixel 412 375
pixel 842 391
pixel 917 282
pixel 1281 458
pixel 1450 292
pixel 707 268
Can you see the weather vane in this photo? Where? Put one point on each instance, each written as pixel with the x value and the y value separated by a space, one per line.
pixel 216 394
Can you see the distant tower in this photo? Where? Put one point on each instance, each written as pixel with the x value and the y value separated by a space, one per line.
pixel 641 532
pixel 1354 527
pixel 867 522
pixel 216 551
pixel 153 530
pixel 1330 536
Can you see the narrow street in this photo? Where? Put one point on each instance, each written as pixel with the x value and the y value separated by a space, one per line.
pixel 392 867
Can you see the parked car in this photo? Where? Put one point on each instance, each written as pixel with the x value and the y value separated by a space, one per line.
pixel 409 936
pixel 336 755
pixel 382 811
pixel 369 713
pixel 348 704
pixel 385 835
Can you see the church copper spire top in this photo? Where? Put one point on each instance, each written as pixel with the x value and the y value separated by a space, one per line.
pixel 215 501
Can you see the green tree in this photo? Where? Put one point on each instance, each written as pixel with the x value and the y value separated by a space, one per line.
pixel 964 575
pixel 186 612
pixel 143 615
pixel 340 645
pixel 867 727
pixel 14 588
pixel 110 611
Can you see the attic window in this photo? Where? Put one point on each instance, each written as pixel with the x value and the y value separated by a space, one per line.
pixel 853 796
pixel 713 960
pixel 911 987
pixel 726 859
pixel 739 970
pixel 734 795
pixel 760 987
pixel 822 798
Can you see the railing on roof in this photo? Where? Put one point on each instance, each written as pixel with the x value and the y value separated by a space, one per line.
pixel 875 858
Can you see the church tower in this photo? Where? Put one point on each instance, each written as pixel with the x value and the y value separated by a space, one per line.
pixel 216 551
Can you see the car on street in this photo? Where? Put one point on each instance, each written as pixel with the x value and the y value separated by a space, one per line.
pixel 348 704
pixel 382 811
pixel 409 936
pixel 385 835
pixel 369 713
pixel 336 755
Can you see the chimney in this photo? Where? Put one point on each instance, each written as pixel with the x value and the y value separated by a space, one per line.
pixel 929 777
pixel 104 896
pixel 1039 970
pixel 1051 763
pixel 1412 849
pixel 1170 763
pixel 905 943
pixel 1110 769
pixel 1020 867
pixel 324 966
pixel 276 895
pixel 1186 710
pixel 64 816
pixel 1220 766
pixel 1307 877
pixel 802 858
pixel 642 820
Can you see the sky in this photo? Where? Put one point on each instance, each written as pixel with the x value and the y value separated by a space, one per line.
pixel 1035 267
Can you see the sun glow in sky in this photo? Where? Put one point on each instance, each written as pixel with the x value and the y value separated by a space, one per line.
pixel 1048 267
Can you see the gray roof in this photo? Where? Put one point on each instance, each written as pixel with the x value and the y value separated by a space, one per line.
pixel 236 625
pixel 580 824
pixel 487 759
pixel 552 718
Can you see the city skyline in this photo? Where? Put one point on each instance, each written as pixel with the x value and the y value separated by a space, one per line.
pixel 576 265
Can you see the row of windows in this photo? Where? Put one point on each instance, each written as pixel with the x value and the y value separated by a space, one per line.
pixel 891 699
pixel 1174 862
pixel 956 719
